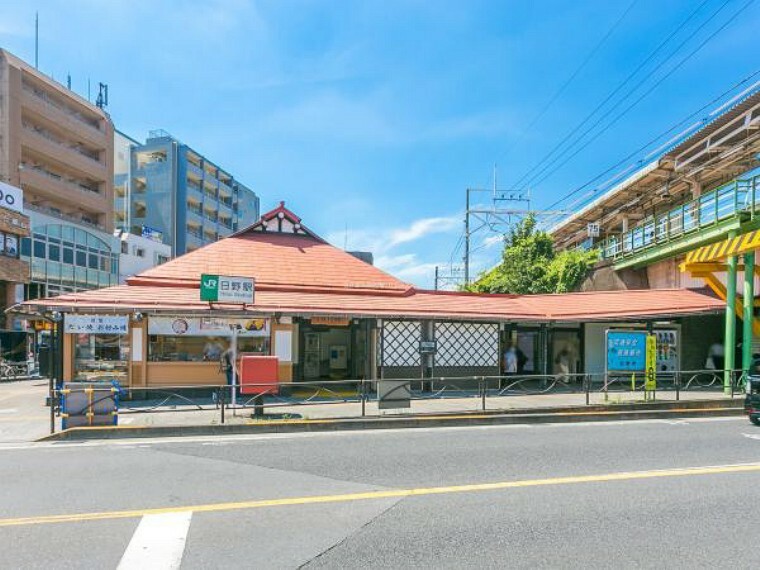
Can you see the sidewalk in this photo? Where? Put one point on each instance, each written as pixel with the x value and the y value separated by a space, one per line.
pixel 24 416
pixel 182 415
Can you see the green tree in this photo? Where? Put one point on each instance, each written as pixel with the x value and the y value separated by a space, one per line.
pixel 531 265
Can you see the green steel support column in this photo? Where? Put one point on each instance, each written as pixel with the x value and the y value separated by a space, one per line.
pixel 749 302
pixel 730 340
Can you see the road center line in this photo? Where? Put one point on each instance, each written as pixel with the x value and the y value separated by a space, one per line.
pixel 385 494
pixel 158 542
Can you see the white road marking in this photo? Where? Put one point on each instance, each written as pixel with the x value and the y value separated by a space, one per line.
pixel 158 542
pixel 9 411
pixel 751 435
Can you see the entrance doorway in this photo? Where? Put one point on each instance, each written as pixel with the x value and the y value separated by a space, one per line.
pixel 332 349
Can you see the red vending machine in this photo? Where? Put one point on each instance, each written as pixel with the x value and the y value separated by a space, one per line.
pixel 259 375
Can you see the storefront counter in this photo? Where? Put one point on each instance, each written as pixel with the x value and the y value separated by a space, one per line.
pixel 185 374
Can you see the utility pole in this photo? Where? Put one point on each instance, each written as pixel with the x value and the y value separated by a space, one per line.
pixel 496 211
pixel 436 278
pixel 467 240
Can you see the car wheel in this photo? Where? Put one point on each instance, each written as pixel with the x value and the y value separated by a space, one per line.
pixel 755 419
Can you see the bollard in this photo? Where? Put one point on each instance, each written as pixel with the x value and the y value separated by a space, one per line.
pixel 258 405
pixel 483 393
pixel 53 400
pixel 678 385
pixel 587 382
pixel 221 403
pixel 363 396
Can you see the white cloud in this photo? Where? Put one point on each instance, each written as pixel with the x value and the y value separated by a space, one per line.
pixel 422 228
pixel 491 241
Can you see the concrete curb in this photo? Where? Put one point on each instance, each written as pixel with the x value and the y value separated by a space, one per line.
pixel 664 410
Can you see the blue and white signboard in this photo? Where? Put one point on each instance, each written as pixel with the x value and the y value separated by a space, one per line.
pixel 152 234
pixel 95 324
pixel 626 351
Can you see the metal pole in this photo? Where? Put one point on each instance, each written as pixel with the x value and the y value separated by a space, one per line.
pixel 467 240
pixel 730 337
pixel 234 368
pixel 36 40
pixel 749 301
pixel 483 392
pixel 436 278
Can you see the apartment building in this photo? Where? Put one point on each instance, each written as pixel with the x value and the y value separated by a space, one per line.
pixel 58 148
pixel 173 191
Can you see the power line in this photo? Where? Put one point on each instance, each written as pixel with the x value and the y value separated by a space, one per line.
pixel 620 115
pixel 657 138
pixel 572 77
pixel 615 91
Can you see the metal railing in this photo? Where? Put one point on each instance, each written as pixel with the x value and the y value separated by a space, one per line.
pixel 739 197
pixel 464 393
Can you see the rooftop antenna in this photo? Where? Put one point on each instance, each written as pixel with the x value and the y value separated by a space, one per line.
pixel 68 81
pixel 102 100
pixel 36 40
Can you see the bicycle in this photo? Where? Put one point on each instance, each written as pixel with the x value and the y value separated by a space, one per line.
pixel 12 370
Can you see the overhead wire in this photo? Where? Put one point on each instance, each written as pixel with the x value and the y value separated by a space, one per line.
pixel 657 138
pixel 548 156
pixel 537 181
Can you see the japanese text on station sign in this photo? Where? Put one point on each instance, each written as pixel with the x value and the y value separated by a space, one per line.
pixel 224 289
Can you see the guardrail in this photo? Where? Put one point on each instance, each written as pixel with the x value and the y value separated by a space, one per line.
pixel 487 393
pixel 741 196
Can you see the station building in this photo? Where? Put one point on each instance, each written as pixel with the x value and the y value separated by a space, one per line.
pixel 329 315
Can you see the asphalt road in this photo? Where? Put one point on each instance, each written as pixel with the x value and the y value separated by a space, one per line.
pixel 675 494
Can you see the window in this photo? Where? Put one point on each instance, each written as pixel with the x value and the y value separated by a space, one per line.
pixel 81 259
pixel 100 357
pixel 200 348
pixel 39 249
pixel 93 261
pixel 139 252
pixel 187 348
pixel 54 252
pixel 124 247
pixel 161 259
pixel 26 247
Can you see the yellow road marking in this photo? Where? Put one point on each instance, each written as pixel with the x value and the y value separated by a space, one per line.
pixel 388 494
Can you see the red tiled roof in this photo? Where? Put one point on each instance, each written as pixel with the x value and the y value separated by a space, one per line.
pixel 601 305
pixel 298 273
pixel 275 261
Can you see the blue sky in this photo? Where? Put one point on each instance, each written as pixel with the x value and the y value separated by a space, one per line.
pixel 371 118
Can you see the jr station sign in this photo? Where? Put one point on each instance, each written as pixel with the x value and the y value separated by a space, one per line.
pixel 226 289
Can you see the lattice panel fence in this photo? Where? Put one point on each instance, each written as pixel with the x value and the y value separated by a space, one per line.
pixel 467 344
pixel 400 343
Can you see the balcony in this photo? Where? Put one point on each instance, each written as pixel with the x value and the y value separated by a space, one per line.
pixel 194 216
pixel 57 188
pixel 58 214
pixel 194 172
pixel 57 151
pixel 41 103
pixel 694 223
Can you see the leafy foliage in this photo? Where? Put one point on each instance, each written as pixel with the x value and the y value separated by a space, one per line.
pixel 530 265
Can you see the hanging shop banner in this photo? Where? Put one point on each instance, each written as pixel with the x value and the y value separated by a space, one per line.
pixel 206 326
pixel 95 324
pixel 626 351
pixel 225 289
